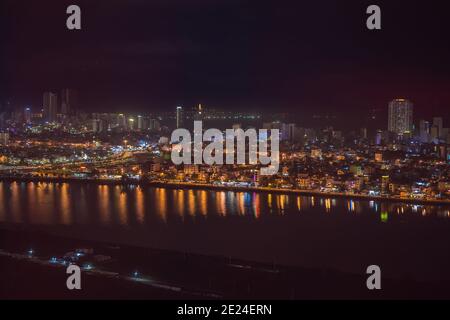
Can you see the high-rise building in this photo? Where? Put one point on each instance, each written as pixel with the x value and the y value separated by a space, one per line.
pixel 27 115
pixel 384 184
pixel 424 131
pixel 4 138
pixel 400 117
pixel 153 125
pixel 198 112
pixel 363 133
pixel 121 120
pixel 288 131
pixel 434 133
pixel 179 117
pixel 2 120
pixel 378 137
pixel 437 121
pixel 97 125
pixel 131 124
pixel 50 106
pixel 140 123
pixel 69 100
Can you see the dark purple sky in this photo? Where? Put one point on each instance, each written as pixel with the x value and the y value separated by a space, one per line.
pixel 296 56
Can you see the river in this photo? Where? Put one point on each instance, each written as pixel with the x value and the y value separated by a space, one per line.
pixel 406 240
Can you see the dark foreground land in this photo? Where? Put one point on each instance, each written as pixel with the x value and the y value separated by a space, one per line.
pixel 142 273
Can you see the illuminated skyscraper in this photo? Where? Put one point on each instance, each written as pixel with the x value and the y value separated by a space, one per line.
pixel 121 120
pixel 400 117
pixel 140 123
pixel 50 106
pixel 27 115
pixel 179 117
pixel 378 137
pixel 131 124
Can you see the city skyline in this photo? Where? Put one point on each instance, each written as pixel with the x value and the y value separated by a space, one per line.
pixel 226 150
pixel 64 106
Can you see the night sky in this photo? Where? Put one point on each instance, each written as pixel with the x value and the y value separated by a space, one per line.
pixel 294 56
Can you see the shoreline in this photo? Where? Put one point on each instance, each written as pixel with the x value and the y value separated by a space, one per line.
pixel 202 276
pixel 185 185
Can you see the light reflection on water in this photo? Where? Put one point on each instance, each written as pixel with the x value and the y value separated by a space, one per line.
pixel 68 204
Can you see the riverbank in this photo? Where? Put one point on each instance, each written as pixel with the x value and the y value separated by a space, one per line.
pixel 186 185
pixel 179 275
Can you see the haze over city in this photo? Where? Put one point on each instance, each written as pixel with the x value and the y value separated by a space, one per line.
pixel 231 55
